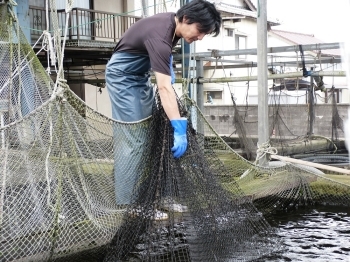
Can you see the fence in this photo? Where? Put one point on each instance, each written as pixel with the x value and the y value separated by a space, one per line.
pixel 83 24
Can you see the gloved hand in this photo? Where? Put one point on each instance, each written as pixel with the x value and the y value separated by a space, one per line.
pixel 180 137
pixel 172 74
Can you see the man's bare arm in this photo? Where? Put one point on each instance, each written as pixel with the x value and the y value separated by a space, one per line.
pixel 167 96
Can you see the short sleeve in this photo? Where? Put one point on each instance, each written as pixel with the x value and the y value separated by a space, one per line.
pixel 159 53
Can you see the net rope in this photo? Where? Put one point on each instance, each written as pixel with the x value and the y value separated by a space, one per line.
pixel 57 184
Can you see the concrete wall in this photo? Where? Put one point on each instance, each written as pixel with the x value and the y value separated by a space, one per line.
pixel 98 99
pixel 39 3
pixel 110 6
pixel 295 118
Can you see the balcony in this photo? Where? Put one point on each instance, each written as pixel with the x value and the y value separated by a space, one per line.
pixel 91 34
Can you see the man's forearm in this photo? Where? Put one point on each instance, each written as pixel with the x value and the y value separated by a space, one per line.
pixel 167 96
pixel 169 103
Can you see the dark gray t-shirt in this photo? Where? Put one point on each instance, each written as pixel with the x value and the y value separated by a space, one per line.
pixel 153 36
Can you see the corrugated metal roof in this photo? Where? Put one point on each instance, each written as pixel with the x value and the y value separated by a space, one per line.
pixel 294 38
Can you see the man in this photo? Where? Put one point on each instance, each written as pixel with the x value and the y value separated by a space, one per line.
pixel 148 44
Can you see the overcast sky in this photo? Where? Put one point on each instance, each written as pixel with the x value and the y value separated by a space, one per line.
pixel 327 20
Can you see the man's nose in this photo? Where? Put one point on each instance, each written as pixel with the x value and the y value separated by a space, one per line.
pixel 200 37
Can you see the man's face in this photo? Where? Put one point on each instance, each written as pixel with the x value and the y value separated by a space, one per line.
pixel 190 33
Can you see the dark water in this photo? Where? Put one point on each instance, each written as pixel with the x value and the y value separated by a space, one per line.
pixel 313 234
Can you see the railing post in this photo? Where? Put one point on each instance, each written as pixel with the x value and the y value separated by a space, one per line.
pixel 93 25
pixel 114 29
pixel 70 25
pixel 77 24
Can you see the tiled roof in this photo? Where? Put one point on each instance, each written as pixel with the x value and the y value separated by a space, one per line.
pixel 294 38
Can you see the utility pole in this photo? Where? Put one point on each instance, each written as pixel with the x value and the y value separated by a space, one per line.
pixel 311 103
pixel 199 92
pixel 144 8
pixel 263 110
pixel 185 55
pixel 199 74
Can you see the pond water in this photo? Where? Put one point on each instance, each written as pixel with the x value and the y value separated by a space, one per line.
pixel 313 234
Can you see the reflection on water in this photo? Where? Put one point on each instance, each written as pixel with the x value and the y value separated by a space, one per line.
pixel 314 234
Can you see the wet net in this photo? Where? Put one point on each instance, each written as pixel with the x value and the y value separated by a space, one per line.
pixel 58 186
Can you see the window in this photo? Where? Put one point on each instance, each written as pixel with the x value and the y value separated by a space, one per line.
pixel 241 43
pixel 212 96
pixel 216 94
pixel 229 32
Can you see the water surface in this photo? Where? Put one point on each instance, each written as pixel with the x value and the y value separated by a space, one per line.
pixel 313 234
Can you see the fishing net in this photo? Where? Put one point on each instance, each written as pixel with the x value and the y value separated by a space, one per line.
pixel 58 160
pixel 302 128
pixel 322 130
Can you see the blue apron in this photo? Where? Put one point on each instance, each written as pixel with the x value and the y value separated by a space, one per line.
pixel 132 96
pixel 129 86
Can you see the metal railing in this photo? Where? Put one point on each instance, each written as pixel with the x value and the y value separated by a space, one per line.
pixel 83 24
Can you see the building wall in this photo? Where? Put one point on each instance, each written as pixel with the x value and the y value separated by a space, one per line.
pixel 295 117
pixel 39 3
pixel 110 6
pixel 98 99
pixel 246 27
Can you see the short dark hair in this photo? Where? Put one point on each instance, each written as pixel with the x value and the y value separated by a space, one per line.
pixel 202 12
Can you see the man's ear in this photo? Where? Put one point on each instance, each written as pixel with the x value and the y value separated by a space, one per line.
pixel 184 19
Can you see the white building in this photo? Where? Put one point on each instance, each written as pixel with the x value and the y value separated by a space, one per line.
pixel 240 32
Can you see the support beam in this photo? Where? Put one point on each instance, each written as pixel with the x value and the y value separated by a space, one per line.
pixel 294 63
pixel 273 76
pixel 253 51
pixel 72 80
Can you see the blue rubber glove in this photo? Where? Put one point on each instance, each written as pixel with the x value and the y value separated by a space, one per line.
pixel 180 138
pixel 172 74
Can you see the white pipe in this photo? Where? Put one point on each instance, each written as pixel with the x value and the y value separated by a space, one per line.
pixel 298 161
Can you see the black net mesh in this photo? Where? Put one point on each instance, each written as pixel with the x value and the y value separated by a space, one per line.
pixel 218 224
pixel 319 128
